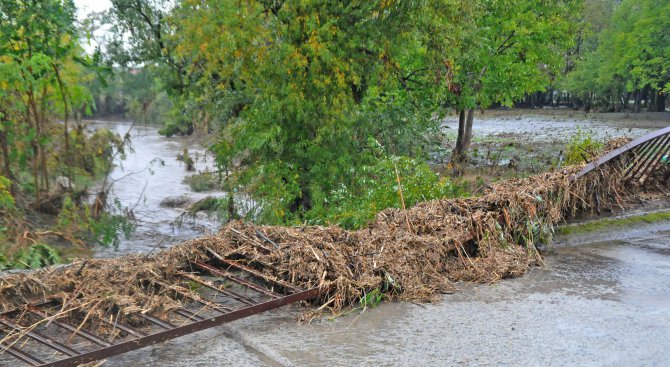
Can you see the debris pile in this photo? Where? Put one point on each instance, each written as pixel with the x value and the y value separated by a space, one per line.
pixel 412 254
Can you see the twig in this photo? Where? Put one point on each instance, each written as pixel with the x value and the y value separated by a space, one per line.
pixel 402 198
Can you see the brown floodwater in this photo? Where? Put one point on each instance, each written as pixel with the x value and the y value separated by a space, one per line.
pixel 145 177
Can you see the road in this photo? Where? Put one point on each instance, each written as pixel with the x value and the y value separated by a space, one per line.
pixel 603 299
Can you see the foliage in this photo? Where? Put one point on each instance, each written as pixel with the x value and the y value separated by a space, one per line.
pixel 511 48
pixel 582 147
pixel 105 229
pixel 371 299
pixel 298 88
pixel 32 257
pixel 205 181
pixel 376 188
pixel 630 53
pixel 134 92
pixel 47 157
pixel 37 256
pixel 6 198
pixel 108 229
pixel 301 88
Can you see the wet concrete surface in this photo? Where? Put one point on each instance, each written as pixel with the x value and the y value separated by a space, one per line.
pixel 603 299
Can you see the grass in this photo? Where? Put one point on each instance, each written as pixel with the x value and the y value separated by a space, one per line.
pixel 608 223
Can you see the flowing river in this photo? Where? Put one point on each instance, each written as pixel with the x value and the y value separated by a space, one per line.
pixel 148 175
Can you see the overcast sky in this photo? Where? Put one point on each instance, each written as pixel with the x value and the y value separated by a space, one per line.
pixel 86 6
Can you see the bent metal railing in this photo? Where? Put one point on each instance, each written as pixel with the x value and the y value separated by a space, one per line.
pixel 230 291
pixel 638 159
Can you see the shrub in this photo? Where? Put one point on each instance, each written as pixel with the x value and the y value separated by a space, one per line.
pixel 206 181
pixel 582 147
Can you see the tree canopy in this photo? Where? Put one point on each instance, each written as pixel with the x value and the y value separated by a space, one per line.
pixel 631 55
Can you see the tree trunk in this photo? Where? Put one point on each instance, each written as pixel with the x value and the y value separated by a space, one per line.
pixel 457 155
pixel 35 143
pixel 36 176
pixel 468 130
pixel 45 173
pixel 626 100
pixel 7 168
pixel 638 97
pixel 66 115
pixel 660 102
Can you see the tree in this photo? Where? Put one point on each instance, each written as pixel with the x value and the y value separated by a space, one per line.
pixel 144 36
pixel 511 48
pixel 631 56
pixel 38 48
pixel 299 87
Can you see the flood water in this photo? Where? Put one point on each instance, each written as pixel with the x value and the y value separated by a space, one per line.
pixel 536 138
pixel 146 176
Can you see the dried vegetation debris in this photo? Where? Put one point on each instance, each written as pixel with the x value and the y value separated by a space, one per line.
pixel 412 254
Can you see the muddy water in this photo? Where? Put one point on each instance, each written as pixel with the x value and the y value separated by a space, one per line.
pixel 536 139
pixel 543 128
pixel 146 176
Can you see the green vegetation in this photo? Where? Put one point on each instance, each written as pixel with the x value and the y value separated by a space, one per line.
pixel 205 181
pixel 48 160
pixel 296 90
pixel 371 299
pixel 608 223
pixel 582 148
pixel 623 56
pixel 323 112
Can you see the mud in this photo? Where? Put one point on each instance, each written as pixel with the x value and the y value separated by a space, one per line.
pixel 533 140
pixel 602 299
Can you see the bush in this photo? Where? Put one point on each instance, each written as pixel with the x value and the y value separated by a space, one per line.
pixel 582 148
pixel 201 182
pixel 375 188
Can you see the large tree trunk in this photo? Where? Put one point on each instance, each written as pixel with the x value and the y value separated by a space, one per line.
pixel 460 153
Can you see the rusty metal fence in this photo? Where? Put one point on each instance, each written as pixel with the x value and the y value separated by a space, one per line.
pixel 638 159
pixel 38 335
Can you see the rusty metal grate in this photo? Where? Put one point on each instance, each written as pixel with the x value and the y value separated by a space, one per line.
pixel 227 291
pixel 638 159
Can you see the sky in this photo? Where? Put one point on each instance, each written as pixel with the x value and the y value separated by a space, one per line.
pixel 86 6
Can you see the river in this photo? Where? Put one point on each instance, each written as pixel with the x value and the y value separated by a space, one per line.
pixel 145 177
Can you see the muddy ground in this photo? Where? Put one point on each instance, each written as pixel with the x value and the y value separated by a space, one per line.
pixel 602 299
pixel 532 141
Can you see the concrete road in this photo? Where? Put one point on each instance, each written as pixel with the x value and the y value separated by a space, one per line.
pixel 602 300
